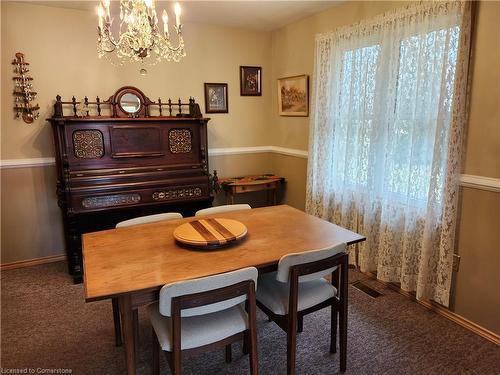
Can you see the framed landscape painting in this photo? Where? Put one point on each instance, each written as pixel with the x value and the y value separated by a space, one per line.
pixel 250 81
pixel 293 96
pixel 216 98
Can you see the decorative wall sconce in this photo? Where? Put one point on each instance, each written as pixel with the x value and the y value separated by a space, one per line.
pixel 23 94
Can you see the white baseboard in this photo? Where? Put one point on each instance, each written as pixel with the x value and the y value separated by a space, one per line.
pixel 32 262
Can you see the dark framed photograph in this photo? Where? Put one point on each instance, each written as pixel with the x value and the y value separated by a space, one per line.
pixel 293 96
pixel 250 81
pixel 216 98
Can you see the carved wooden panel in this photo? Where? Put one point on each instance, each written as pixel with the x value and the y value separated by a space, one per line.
pixel 88 144
pixel 135 141
pixel 179 141
pixel 164 195
pixel 111 200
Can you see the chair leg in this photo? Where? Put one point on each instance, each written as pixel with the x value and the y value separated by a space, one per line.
pixel 254 362
pixel 251 333
pixel 156 354
pixel 116 322
pixel 343 314
pixel 333 334
pixel 228 353
pixel 343 340
pixel 136 329
pixel 291 345
pixel 300 323
pixel 245 349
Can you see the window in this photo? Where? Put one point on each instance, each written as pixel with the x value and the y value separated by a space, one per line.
pixel 385 135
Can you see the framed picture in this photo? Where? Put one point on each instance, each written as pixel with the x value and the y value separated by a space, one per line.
pixel 250 81
pixel 293 96
pixel 216 98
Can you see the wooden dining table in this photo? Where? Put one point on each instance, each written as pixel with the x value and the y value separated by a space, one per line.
pixel 133 263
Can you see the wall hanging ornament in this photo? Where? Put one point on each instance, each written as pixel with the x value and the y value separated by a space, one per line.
pixel 23 94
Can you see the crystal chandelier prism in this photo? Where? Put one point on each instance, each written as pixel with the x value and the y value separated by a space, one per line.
pixel 139 37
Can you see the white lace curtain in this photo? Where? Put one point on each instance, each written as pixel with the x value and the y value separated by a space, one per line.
pixel 388 115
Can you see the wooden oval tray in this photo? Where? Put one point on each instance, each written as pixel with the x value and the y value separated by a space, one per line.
pixel 210 233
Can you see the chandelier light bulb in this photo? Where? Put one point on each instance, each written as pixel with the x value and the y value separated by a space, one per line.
pixel 165 22
pixel 149 3
pixel 100 11
pixel 106 7
pixel 177 10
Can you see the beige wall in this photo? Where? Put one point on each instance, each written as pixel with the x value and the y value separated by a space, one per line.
pixel 476 289
pixel 476 294
pixel 483 138
pixel 31 220
pixel 294 169
pixel 60 46
pixel 477 284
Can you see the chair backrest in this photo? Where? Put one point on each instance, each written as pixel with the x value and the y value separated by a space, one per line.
pixel 290 260
pixel 149 219
pixel 205 284
pixel 225 208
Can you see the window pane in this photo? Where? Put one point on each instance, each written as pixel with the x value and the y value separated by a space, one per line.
pixel 354 128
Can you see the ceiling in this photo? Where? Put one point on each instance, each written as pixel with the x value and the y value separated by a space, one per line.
pixel 253 15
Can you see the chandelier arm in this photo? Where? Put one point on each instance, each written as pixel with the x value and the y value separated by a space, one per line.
pixel 109 35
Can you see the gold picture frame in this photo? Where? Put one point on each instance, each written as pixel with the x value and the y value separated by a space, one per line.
pixel 293 96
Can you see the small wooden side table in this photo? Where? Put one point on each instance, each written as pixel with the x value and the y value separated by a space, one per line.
pixel 247 184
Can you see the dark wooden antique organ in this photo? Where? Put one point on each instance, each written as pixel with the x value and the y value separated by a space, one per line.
pixel 125 157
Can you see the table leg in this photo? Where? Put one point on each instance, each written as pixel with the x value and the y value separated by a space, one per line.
pixel 128 332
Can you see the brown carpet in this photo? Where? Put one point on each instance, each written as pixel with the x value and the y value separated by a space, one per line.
pixel 47 324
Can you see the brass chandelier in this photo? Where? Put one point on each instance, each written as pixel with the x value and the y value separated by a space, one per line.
pixel 139 38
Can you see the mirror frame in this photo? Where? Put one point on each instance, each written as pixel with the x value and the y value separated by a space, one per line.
pixel 118 111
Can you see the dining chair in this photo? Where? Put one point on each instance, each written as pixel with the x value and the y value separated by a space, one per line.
pixel 195 315
pixel 221 209
pixel 149 219
pixel 128 223
pixel 299 288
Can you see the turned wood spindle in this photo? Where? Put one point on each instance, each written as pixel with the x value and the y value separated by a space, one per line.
pixel 73 100
pixel 86 100
pixel 98 102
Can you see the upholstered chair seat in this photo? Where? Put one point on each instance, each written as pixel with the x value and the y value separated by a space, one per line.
pixel 274 294
pixel 199 330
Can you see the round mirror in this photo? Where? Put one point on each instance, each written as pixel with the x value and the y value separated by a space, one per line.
pixel 130 103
